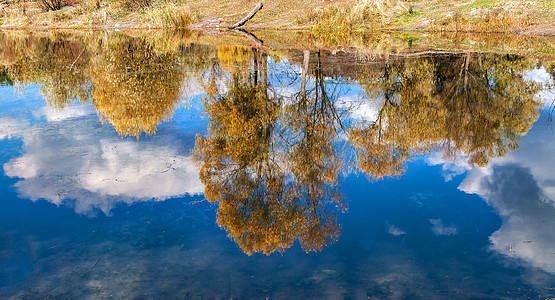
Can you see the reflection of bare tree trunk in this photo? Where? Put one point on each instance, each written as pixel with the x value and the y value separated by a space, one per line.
pixel 466 63
pixel 386 96
pixel 386 79
pixel 264 75
pixel 318 73
pixel 306 61
pixel 212 86
pixel 255 72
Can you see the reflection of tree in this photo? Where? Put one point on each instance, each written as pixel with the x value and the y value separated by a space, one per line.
pixel 312 127
pixel 272 165
pixel 490 105
pixel 477 105
pixel 266 199
pixel 397 133
pixel 134 84
pixel 550 67
pixel 60 67
pixel 134 87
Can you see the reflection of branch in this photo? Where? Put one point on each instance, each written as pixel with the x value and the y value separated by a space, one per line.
pixel 250 36
pixel 326 99
pixel 426 52
pixel 76 59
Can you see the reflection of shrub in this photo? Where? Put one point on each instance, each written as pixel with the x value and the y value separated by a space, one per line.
pixel 59 66
pixel 232 57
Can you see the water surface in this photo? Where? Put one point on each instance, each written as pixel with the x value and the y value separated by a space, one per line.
pixel 179 165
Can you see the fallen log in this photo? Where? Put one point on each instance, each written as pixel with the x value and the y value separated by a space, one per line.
pixel 248 17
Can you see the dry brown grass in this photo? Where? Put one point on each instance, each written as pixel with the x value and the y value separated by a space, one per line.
pixel 169 14
pixel 345 17
pixel 276 14
pixel 496 21
pixel 93 13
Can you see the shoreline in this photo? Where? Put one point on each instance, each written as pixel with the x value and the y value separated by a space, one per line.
pixel 539 30
pixel 362 43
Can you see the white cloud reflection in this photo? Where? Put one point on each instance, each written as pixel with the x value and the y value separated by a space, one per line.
pixel 12 127
pixel 521 187
pixel 541 76
pixel 80 163
pixel 438 228
pixel 71 112
pixel 360 107
pixel 450 168
pixel 394 230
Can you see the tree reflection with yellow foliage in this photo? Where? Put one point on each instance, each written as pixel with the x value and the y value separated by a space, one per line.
pixel 475 105
pixel 311 129
pixel 57 64
pixel 273 165
pixel 134 87
pixel 268 194
pixel 131 84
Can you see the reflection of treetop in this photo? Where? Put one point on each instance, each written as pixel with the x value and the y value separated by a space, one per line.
pixel 135 88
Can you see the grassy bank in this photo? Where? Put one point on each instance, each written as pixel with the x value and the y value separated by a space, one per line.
pixel 333 19
pixel 480 16
pixel 96 14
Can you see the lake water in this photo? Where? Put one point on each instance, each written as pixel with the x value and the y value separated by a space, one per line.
pixel 186 165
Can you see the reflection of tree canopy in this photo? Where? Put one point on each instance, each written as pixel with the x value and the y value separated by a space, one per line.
pixel 58 65
pixel 311 129
pixel 475 105
pixel 266 200
pixel 135 88
pixel 134 85
pixel 272 163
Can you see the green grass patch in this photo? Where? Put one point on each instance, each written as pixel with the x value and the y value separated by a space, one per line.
pixel 483 3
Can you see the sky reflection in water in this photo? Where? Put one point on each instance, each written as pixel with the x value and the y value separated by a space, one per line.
pixel 293 148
